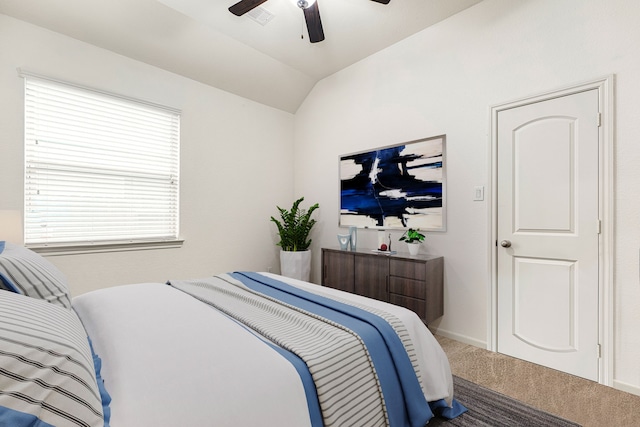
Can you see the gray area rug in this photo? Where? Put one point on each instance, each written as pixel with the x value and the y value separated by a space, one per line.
pixel 489 408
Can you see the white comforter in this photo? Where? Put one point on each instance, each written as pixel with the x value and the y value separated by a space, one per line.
pixel 171 360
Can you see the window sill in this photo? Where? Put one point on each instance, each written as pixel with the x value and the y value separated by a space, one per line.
pixel 89 248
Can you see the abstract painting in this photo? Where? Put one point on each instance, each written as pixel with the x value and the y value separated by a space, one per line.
pixel 398 186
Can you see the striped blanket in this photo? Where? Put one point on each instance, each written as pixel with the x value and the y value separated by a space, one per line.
pixel 361 368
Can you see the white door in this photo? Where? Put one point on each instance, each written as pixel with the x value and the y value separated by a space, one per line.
pixel 548 231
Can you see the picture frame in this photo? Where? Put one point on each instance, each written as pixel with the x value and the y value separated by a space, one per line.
pixel 398 186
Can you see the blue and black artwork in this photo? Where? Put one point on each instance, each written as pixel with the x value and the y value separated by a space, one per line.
pixel 400 186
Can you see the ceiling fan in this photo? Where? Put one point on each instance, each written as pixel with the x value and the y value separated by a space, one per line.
pixel 309 7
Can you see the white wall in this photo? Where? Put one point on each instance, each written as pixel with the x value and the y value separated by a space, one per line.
pixel 443 81
pixel 226 140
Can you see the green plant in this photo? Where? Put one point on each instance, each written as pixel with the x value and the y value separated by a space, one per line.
pixel 412 236
pixel 295 226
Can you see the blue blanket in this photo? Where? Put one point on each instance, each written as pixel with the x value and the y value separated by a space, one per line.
pixel 403 396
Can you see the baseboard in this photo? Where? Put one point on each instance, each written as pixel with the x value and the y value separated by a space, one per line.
pixel 458 337
pixel 629 388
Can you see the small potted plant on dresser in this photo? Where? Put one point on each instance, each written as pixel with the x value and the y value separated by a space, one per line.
pixel 294 227
pixel 413 239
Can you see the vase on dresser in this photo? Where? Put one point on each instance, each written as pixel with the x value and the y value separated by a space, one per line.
pixel 414 248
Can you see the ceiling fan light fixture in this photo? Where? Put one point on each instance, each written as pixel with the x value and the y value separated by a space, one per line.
pixel 305 4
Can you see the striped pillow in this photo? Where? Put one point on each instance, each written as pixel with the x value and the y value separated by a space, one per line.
pixel 25 272
pixel 47 374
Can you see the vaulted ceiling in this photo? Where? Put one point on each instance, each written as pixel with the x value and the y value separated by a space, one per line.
pixel 266 62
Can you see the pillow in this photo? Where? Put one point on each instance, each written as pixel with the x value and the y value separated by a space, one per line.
pixel 47 375
pixel 25 272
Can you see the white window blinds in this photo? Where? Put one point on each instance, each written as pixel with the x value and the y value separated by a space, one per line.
pixel 99 168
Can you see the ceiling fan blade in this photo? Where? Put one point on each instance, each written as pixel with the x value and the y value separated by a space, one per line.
pixel 245 6
pixel 382 1
pixel 314 24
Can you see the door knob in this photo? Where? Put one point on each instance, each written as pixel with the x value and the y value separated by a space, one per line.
pixel 505 244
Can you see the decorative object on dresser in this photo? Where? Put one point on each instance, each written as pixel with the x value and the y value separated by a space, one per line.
pixel 395 187
pixel 348 241
pixel 414 282
pixel 344 240
pixel 353 238
pixel 383 247
pixel 413 239
pixel 294 229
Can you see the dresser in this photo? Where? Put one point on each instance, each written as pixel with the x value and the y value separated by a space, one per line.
pixel 414 282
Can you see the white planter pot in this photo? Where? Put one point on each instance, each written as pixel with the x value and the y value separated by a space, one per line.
pixel 296 265
pixel 413 248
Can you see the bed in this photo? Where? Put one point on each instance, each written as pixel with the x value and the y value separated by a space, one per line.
pixel 235 349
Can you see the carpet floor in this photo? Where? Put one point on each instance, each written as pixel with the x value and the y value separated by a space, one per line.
pixel 492 409
pixel 582 401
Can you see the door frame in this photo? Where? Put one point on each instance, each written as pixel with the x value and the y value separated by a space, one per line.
pixel 605 87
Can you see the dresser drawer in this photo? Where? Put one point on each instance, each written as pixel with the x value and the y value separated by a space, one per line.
pixel 407 287
pixel 416 305
pixel 406 268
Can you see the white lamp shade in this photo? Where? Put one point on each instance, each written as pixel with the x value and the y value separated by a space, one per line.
pixel 11 226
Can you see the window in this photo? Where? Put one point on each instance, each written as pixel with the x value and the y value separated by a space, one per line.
pixel 100 169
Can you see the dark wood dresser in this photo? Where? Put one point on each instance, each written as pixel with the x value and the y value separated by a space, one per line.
pixel 414 282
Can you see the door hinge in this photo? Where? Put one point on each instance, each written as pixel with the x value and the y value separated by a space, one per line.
pixel 599 119
pixel 599 351
pixel 599 227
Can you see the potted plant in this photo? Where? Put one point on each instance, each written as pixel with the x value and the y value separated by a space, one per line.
pixel 294 227
pixel 413 239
